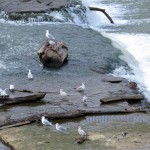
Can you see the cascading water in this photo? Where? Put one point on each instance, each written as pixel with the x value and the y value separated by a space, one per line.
pixel 130 33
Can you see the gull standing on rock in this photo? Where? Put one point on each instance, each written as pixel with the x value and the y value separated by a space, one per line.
pixel 3 92
pixel 45 121
pixel 81 88
pixel 81 131
pixel 84 99
pixel 11 87
pixel 62 93
pixel 48 35
pixel 60 128
pixel 30 75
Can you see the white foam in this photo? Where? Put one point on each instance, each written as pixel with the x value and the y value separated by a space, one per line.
pixel 97 19
pixel 57 15
pixel 137 45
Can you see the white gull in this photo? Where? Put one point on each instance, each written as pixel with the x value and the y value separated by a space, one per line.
pixel 30 75
pixel 60 128
pixel 11 87
pixel 81 131
pixel 84 99
pixel 62 93
pixel 3 92
pixel 45 121
pixel 81 88
pixel 48 35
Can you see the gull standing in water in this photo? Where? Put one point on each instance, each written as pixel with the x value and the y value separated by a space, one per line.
pixel 45 121
pixel 81 131
pixel 30 75
pixel 60 128
pixel 48 35
pixel 11 87
pixel 62 93
pixel 81 88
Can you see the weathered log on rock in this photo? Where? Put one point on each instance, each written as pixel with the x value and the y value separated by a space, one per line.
pixel 16 125
pixel 102 10
pixel 131 98
pixel 21 97
pixel 53 55
pixel 116 110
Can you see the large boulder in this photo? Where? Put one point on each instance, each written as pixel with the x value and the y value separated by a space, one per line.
pixel 53 55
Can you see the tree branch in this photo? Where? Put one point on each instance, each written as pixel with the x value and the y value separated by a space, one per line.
pixel 102 10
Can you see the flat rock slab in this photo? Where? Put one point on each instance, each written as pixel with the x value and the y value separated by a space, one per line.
pixel 101 136
pixel 54 106
pixel 131 98
pixel 28 6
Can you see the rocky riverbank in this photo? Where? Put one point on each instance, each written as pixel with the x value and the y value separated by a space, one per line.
pixel 71 111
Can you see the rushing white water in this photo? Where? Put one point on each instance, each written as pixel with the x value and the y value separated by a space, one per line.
pixel 130 33
pixel 133 43
pixel 138 45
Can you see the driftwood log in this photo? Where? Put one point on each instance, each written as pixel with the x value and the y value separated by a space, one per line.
pixel 53 55
pixel 20 98
pixel 130 98
pixel 102 10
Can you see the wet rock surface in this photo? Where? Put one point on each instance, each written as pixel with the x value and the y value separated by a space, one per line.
pixel 104 134
pixel 56 106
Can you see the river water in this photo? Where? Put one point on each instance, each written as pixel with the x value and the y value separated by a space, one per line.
pixel 85 35
pixel 130 33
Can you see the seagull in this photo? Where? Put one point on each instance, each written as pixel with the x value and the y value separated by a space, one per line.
pixel 81 132
pixel 48 35
pixel 60 128
pixel 3 92
pixel 45 121
pixel 84 99
pixel 81 88
pixel 30 75
pixel 11 87
pixel 62 93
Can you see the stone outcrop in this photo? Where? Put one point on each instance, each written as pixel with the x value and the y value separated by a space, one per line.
pixel 53 55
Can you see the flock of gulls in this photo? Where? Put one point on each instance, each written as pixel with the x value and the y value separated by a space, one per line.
pixel 3 93
pixel 44 120
pixel 61 128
